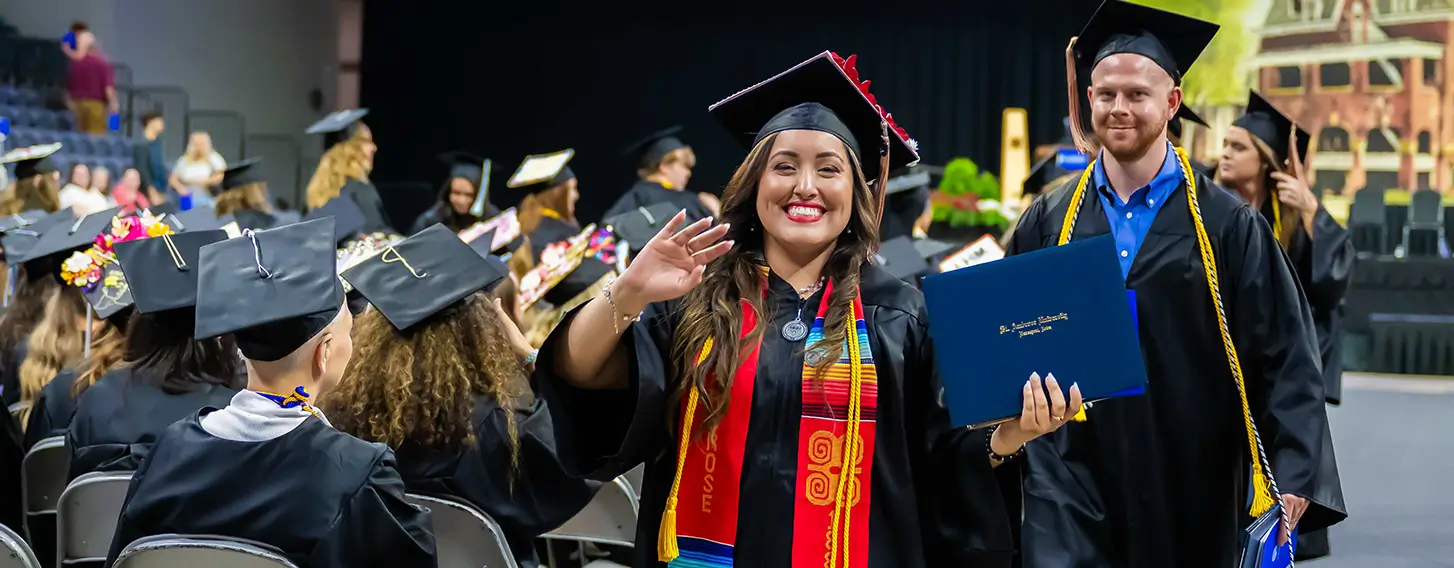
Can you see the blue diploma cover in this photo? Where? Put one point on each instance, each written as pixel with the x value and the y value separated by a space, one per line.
pixel 1060 310
pixel 1259 542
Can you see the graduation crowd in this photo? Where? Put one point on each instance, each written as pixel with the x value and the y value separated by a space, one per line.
pixel 764 358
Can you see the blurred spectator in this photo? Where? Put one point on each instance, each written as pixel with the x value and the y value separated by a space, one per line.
pixel 101 180
pixel 90 83
pixel 128 193
pixel 196 171
pixel 146 155
pixel 80 196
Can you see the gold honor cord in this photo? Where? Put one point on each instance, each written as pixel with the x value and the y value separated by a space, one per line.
pixel 843 505
pixel 1265 492
pixel 399 258
pixel 666 534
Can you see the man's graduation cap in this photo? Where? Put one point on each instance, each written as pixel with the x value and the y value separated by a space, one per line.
pixel 1272 127
pixel 32 161
pixel 1172 41
pixel 823 94
pixel 1184 112
pixel 241 173
pixel 901 258
pixel 639 225
pixel 162 271
pixel 339 126
pixel 540 172
pixel 421 275
pixel 474 169
pixel 274 290
pixel 649 151
pixel 348 219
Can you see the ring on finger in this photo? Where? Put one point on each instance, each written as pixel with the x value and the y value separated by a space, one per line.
pixel 1058 418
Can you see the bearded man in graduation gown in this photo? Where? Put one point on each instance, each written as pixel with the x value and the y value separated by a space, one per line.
pixel 1162 479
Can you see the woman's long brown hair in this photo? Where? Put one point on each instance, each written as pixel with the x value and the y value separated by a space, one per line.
pixel 57 343
pixel 713 309
pixel 1269 185
pixel 27 308
pixel 342 162
pixel 253 196
pixel 41 191
pixel 420 385
pixel 108 351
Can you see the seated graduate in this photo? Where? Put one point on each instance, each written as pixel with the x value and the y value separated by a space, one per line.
pixel 29 287
pixel 464 197
pixel 1165 478
pixel 37 181
pixel 345 166
pixel 1262 162
pixel 59 340
pixel 167 375
pixel 441 376
pixel 97 274
pixel 547 216
pixel 663 167
pixel 268 467
pixel 245 197
pixel 818 348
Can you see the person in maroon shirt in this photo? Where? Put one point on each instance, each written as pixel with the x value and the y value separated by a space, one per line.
pixel 90 84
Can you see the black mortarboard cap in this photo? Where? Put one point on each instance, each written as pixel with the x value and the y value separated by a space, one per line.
pixel 1171 41
pixel 273 289
pixel 1272 127
pixel 425 273
pixel 198 219
pixel 639 225
pixel 483 244
pixel 164 209
pixel 162 271
pixel 21 219
pixel 338 126
pixel 65 237
pixel 32 161
pixel 241 173
pixel 540 172
pixel 908 195
pixel 1044 173
pixel 464 165
pixel 907 182
pixel 930 248
pixel 348 219
pixel 20 241
pixel 823 94
pixel 111 294
pixel 899 257
pixel 650 150
pixel 1184 113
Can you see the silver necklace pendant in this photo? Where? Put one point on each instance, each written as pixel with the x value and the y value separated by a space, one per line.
pixel 795 330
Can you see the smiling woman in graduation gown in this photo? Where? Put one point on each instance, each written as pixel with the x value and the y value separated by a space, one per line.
pixel 756 475
pixel 663 167
pixel 1256 164
pixel 168 375
pixel 1162 478
pixel 469 426
pixel 268 467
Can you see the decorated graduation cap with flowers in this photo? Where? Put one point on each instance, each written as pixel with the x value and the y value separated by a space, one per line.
pixel 96 270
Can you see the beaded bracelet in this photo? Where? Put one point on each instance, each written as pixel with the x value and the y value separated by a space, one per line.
pixel 991 450
pixel 617 318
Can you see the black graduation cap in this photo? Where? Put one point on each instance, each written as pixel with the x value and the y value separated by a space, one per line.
pixel 65 237
pixel 338 126
pixel 21 219
pixel 639 225
pixel 899 257
pixel 1172 41
pixel 907 196
pixel 650 150
pixel 823 94
pixel 111 294
pixel 464 165
pixel 20 241
pixel 540 172
pixel 32 161
pixel 1272 127
pixel 355 252
pixel 1044 173
pixel 273 289
pixel 930 248
pixel 484 244
pixel 421 275
pixel 164 208
pixel 162 271
pixel 348 218
pixel 241 173
pixel 1184 113
pixel 198 219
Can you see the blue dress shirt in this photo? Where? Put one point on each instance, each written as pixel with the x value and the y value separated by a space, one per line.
pixel 1130 220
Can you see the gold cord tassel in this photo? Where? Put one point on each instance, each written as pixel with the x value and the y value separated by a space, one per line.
pixel 666 534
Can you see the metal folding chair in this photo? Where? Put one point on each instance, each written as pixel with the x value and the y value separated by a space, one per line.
pixel 86 516
pixel 1425 229
pixel 173 551
pixel 42 480
pixel 463 534
pixel 1368 221
pixel 610 518
pixel 14 553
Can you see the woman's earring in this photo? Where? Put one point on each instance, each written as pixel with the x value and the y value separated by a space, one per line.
pixel 849 231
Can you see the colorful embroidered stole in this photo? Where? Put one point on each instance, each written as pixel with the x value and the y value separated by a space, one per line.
pixel 831 505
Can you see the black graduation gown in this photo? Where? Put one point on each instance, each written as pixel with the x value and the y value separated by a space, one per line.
pixel 425 220
pixel 10 372
pixel 11 456
pixel 552 230
pixel 436 214
pixel 326 499
pixel 52 412
pixel 120 417
pixel 370 203
pixel 935 498
pixel 541 496
pixel 647 193
pixel 1163 476
pixel 254 219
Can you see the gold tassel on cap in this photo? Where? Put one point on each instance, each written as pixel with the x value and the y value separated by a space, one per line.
pixel 1072 87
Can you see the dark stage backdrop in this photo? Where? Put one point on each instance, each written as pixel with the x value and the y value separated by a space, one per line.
pixel 446 75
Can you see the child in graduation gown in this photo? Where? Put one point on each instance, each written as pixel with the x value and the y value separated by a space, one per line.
pixel 268 467
pixel 441 376
pixel 1258 164
pixel 167 375
pixel 780 358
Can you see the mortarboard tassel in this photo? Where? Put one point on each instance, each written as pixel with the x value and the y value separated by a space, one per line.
pixel 478 208
pixel 1072 86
